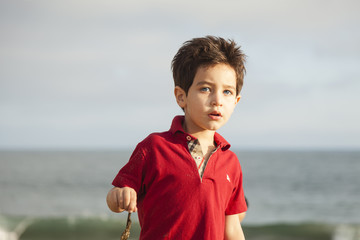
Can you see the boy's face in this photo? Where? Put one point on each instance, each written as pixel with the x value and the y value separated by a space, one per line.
pixel 211 98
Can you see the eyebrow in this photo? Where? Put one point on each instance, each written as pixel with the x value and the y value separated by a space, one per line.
pixel 209 83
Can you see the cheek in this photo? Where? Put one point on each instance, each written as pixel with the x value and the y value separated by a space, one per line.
pixel 230 107
pixel 200 101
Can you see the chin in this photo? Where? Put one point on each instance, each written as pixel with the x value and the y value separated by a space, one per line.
pixel 215 127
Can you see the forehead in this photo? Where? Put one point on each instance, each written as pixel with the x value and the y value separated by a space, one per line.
pixel 215 74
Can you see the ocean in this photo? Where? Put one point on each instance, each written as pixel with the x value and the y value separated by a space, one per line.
pixel 291 194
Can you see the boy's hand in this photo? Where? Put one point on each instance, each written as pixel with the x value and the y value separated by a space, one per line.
pixel 121 199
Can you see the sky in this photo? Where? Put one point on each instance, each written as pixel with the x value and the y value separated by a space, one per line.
pixel 97 74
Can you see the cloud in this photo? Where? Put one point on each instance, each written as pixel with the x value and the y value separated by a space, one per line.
pixel 70 70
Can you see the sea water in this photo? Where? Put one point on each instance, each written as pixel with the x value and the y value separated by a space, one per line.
pixel 282 187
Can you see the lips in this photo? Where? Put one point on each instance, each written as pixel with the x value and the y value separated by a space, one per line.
pixel 215 115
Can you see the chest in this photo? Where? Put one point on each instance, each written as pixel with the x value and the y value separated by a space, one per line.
pixel 176 173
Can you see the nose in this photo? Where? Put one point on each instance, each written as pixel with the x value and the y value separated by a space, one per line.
pixel 217 99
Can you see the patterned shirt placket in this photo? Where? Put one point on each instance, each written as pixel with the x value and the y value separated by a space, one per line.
pixel 197 154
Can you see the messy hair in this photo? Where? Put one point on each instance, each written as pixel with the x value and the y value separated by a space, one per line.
pixel 206 52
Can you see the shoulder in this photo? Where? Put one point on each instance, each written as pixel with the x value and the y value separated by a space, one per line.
pixel 230 159
pixel 229 155
pixel 156 137
pixel 154 140
pixel 145 149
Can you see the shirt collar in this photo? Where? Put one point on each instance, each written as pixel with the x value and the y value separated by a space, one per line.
pixel 176 127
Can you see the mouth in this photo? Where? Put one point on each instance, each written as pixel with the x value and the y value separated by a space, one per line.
pixel 215 115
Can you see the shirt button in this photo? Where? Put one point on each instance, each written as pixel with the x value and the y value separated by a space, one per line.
pixel 188 138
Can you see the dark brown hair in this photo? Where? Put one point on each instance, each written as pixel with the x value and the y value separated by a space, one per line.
pixel 206 52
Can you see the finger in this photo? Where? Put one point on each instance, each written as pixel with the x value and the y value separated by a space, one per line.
pixel 120 199
pixel 132 204
pixel 126 198
pixel 112 201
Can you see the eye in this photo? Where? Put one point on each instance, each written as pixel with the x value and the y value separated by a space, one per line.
pixel 228 92
pixel 205 89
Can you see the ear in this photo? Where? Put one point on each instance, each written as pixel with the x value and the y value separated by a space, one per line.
pixel 237 99
pixel 180 96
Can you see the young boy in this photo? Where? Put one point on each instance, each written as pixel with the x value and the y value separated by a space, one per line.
pixel 185 183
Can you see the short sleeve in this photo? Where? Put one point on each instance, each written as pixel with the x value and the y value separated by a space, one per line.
pixel 131 175
pixel 237 203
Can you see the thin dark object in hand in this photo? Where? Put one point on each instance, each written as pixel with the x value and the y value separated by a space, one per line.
pixel 125 235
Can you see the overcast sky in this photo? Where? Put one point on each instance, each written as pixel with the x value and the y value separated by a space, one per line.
pixel 96 74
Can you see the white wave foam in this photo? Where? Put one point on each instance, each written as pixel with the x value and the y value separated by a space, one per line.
pixel 346 232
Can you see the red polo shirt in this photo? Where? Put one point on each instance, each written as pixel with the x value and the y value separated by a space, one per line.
pixel 173 201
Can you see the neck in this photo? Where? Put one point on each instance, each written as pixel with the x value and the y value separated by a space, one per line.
pixel 205 137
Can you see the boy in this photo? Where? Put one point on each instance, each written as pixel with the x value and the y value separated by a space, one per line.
pixel 185 183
